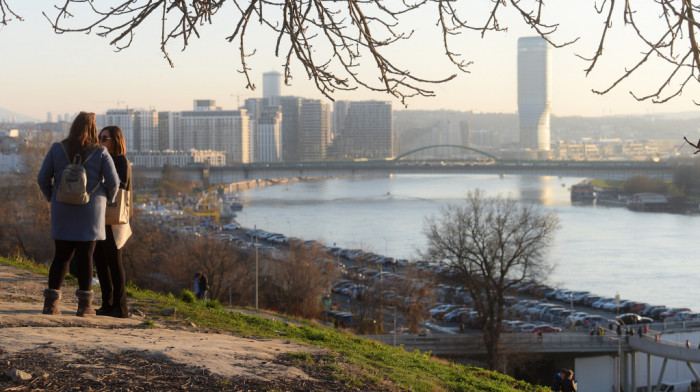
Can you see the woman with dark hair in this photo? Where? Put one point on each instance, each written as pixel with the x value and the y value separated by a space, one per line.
pixel 76 227
pixel 108 253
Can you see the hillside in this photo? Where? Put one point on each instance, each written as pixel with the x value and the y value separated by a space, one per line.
pixel 201 347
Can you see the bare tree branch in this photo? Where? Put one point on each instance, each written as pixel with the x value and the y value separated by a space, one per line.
pixel 343 44
pixel 6 13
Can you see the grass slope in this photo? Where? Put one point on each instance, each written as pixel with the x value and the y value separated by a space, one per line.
pixel 357 362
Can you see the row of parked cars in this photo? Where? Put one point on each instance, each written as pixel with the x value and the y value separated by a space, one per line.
pixel 644 312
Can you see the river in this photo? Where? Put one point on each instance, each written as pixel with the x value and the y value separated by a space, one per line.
pixel 642 256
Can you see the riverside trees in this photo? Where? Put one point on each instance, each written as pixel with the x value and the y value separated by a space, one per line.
pixel 491 244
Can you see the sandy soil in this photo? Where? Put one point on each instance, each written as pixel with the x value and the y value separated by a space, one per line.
pixel 70 339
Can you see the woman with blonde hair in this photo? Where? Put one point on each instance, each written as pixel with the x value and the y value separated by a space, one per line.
pixel 76 227
pixel 108 253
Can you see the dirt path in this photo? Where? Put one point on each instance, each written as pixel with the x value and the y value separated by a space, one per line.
pixel 104 353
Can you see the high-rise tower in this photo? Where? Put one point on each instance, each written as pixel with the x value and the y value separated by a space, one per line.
pixel 272 87
pixel 534 92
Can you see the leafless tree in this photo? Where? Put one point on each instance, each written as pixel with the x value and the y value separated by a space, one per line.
pixel 23 209
pixel 297 281
pixel 413 296
pixel 491 244
pixel 331 38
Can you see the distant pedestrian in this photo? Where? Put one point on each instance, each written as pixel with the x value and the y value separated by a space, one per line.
pixel 203 287
pixel 556 383
pixel 539 336
pixel 640 332
pixel 656 338
pixel 568 383
pixel 200 286
pixel 646 329
pixel 196 284
pixel 687 343
pixel 619 330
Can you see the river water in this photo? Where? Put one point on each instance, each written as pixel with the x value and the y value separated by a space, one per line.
pixel 642 256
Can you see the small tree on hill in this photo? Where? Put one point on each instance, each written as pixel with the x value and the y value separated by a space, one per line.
pixel 491 244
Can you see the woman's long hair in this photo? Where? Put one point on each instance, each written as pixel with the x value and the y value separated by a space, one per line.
pixel 118 138
pixel 83 135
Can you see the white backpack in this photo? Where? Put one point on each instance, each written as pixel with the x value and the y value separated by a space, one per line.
pixel 72 189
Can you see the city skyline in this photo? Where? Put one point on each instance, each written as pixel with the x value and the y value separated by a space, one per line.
pixel 72 72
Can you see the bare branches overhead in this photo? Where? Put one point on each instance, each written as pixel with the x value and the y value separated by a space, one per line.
pixel 6 13
pixel 672 40
pixel 346 44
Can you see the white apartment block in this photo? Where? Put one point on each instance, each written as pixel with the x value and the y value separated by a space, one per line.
pixel 177 158
pixel 124 119
pixel 220 130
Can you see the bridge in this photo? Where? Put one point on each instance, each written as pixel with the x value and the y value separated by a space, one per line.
pixel 260 171
pixel 570 344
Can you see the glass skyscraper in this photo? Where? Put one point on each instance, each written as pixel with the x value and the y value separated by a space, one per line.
pixel 534 92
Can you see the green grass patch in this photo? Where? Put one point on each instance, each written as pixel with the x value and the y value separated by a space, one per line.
pixel 150 324
pixel 355 361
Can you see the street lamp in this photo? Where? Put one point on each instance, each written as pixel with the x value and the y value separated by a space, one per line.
pixel 256 271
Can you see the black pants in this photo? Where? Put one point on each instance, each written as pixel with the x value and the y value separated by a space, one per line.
pixel 65 251
pixel 110 271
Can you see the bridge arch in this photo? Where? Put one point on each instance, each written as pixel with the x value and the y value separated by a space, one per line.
pixel 398 158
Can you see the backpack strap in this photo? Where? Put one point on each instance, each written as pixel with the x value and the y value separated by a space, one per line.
pixel 86 159
pixel 65 152
pixel 90 155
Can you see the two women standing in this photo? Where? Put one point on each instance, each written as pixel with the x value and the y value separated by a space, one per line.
pixel 77 228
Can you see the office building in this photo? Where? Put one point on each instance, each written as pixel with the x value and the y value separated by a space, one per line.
pixel 253 107
pixel 314 124
pixel 269 143
pixel 124 119
pixel 209 128
pixel 167 137
pixel 146 130
pixel 534 93
pixel 289 128
pixel 367 131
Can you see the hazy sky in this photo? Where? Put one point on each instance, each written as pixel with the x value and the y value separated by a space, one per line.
pixel 43 72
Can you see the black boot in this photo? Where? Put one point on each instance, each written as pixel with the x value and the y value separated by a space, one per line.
pixel 51 298
pixel 104 310
pixel 84 303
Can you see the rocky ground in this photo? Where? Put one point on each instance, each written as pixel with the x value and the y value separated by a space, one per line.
pixel 69 353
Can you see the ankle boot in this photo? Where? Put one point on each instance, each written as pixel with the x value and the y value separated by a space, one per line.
pixel 51 298
pixel 84 303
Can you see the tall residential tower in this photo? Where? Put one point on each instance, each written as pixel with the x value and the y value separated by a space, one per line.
pixel 534 92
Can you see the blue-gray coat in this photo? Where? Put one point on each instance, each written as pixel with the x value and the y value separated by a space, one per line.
pixel 79 222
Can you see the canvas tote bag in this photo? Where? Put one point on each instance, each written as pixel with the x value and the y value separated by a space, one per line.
pixel 117 213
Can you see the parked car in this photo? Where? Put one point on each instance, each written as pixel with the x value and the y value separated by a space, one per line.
pixel 440 311
pixel 546 328
pixel 592 320
pixel 590 299
pixel 671 312
pixel 633 318
pixel 656 313
pixel 455 315
pixel 647 312
pixel 576 318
